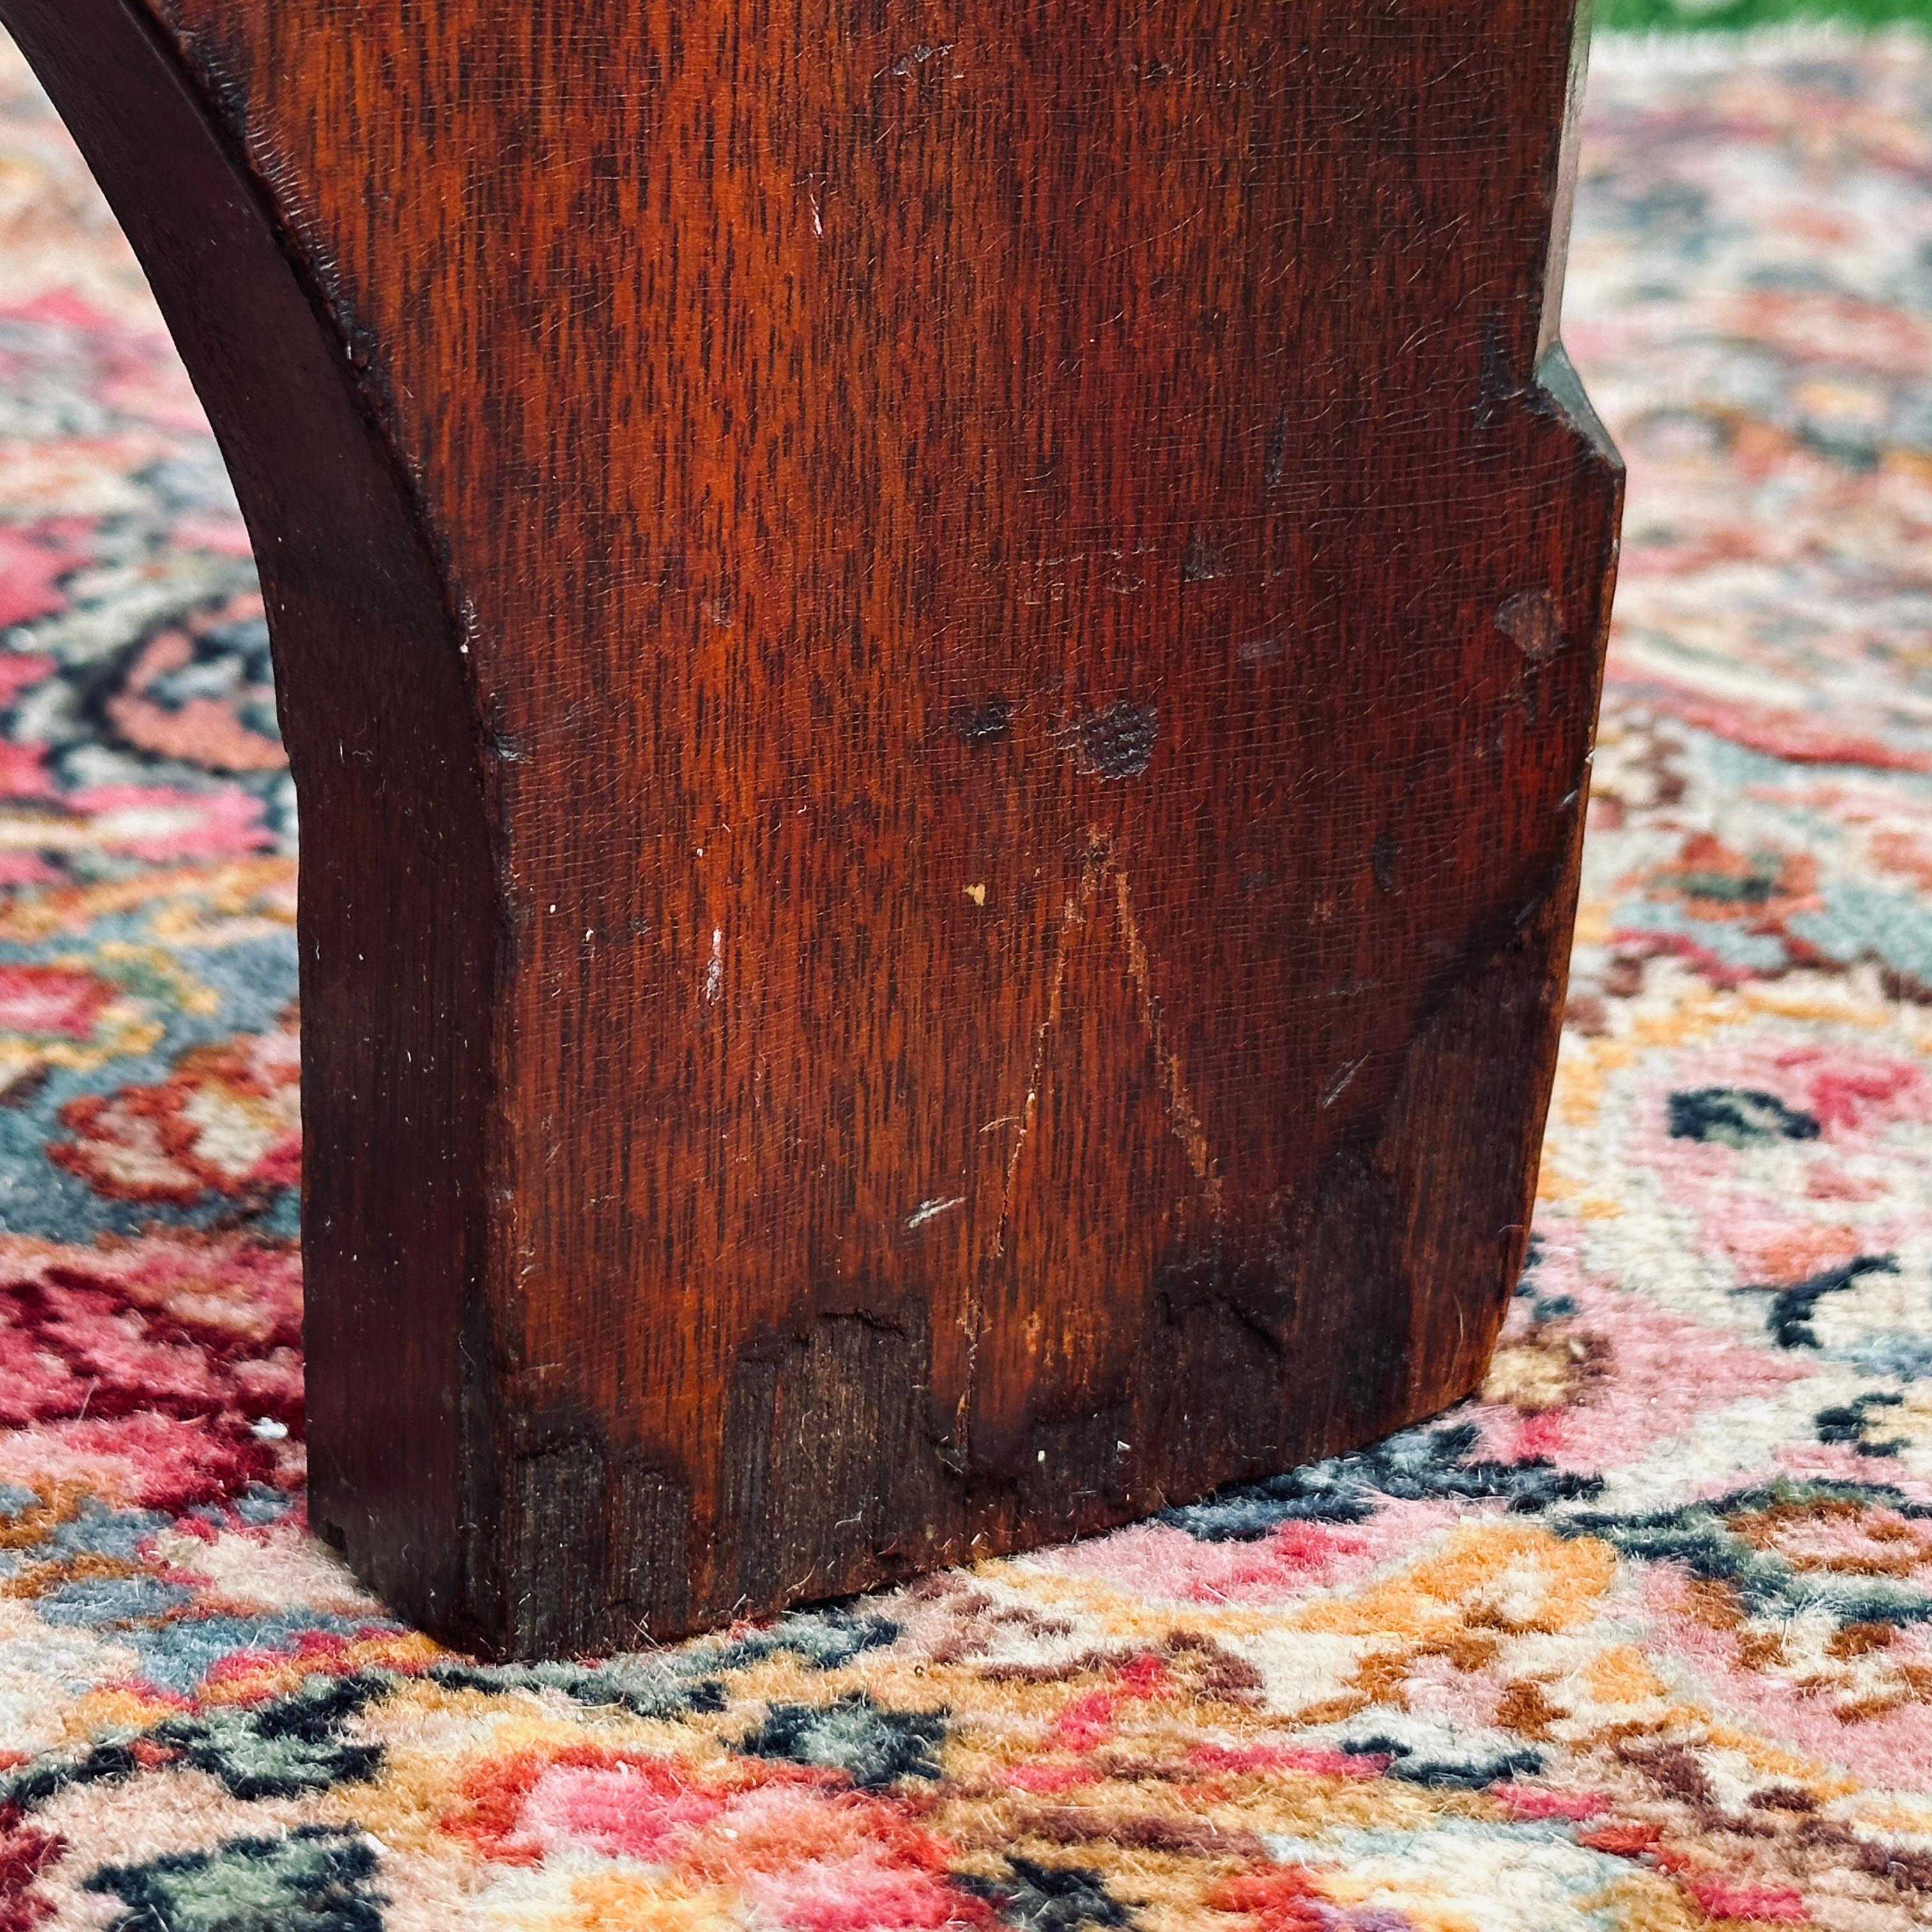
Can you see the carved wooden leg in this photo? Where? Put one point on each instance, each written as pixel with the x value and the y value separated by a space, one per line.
pixel 939 659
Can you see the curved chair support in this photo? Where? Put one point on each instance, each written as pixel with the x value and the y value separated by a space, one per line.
pixel 939 661
pixel 398 920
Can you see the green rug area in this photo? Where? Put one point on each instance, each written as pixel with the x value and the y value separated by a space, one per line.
pixel 1678 16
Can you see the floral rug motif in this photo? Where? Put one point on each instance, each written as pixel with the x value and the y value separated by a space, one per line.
pixel 1641 1642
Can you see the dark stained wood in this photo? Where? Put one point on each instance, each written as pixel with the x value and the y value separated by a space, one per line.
pixel 939 661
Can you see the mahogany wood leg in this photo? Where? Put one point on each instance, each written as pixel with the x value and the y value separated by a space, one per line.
pixel 939 661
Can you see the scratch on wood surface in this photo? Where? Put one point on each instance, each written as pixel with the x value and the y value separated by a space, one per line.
pixel 1180 1109
pixel 1073 916
pixel 1342 1079
pixel 714 970
pixel 930 1210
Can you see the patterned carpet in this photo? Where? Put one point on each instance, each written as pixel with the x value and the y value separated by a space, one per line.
pixel 1641 1642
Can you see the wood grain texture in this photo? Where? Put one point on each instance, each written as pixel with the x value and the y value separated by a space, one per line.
pixel 939 661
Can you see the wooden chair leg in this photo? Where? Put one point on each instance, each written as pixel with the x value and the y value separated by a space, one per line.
pixel 939 661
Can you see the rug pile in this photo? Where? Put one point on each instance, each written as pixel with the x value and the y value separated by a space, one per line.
pixel 1641 1642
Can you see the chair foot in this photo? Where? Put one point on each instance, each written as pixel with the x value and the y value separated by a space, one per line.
pixel 939 665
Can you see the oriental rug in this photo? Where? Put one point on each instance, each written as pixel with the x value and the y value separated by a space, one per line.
pixel 1640 1642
